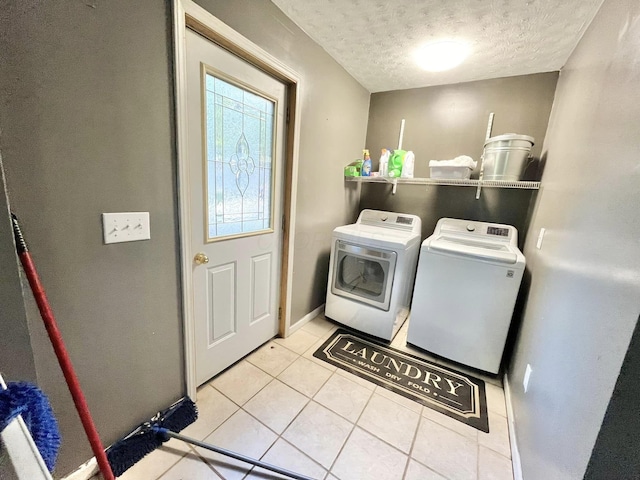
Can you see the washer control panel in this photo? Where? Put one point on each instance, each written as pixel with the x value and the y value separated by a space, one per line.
pixel 400 221
pixel 478 230
pixel 404 220
pixel 503 232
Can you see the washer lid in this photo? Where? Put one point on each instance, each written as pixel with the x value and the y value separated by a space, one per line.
pixel 377 236
pixel 494 253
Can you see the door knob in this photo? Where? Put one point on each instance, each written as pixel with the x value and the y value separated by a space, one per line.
pixel 200 258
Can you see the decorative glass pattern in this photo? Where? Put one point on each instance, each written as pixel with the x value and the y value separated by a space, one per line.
pixel 239 159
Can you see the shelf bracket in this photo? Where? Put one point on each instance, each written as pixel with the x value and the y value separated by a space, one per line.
pixel 486 137
pixel 479 189
pixel 393 182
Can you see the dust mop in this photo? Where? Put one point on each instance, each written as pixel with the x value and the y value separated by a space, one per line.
pixel 161 428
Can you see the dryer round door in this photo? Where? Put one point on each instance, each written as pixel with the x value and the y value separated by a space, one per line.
pixel 364 274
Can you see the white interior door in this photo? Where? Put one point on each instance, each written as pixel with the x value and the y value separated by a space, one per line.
pixel 235 149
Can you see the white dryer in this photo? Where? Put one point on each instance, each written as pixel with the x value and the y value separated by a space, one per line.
pixel 371 272
pixel 468 278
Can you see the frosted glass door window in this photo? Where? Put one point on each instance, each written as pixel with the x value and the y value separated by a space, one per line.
pixel 239 137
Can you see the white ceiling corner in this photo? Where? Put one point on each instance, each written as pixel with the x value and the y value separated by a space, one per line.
pixel 374 39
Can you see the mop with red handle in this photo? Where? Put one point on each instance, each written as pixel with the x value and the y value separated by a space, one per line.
pixel 61 351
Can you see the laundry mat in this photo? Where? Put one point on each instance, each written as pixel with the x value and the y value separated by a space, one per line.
pixel 455 394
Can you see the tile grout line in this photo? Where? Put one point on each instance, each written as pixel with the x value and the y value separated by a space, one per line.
pixel 326 333
pixel 256 393
pixel 165 471
pixel 267 426
pixel 279 435
pixel 252 468
pixel 293 446
pixel 182 457
pixel 375 435
pixel 413 442
pixel 419 462
pixel 449 428
pixel 373 392
pixel 220 393
pixel 240 407
pixel 309 399
pixel 324 336
pixel 192 447
pixel 346 440
pixel 298 355
pixel 495 451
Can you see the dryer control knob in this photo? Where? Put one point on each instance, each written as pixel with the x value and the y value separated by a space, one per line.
pixel 383 218
pixel 470 228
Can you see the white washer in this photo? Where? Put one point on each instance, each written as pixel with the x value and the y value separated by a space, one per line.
pixel 467 281
pixel 371 272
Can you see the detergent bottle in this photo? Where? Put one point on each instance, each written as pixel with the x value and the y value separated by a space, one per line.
pixel 396 161
pixel 408 164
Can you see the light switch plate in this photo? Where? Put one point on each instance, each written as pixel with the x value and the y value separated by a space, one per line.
pixel 125 227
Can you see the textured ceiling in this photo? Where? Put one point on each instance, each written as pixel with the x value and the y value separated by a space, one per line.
pixel 374 40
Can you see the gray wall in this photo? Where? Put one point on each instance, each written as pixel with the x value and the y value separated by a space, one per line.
pixel 585 282
pixel 87 126
pixel 16 356
pixel 615 455
pixel 446 121
pixel 333 126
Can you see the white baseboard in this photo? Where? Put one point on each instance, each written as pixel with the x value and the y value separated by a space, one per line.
pixel 306 319
pixel 515 453
pixel 84 471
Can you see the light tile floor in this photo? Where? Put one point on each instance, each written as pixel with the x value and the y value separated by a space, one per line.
pixel 282 405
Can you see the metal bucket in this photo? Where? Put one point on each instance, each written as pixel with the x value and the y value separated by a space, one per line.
pixel 505 156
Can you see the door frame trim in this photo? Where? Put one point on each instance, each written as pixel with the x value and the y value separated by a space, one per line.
pixel 187 14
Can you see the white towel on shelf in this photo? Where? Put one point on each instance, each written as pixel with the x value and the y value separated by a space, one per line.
pixel 461 161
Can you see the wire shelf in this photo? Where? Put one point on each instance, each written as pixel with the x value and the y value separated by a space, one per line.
pixel 448 182
pixel 479 184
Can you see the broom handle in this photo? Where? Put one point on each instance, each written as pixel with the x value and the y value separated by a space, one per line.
pixel 237 456
pixel 61 352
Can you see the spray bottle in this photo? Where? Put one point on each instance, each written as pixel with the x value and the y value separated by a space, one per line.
pixel 366 165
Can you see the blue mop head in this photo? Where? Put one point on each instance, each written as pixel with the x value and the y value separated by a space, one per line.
pixel 28 400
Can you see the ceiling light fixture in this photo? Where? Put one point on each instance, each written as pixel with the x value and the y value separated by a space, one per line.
pixel 442 55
